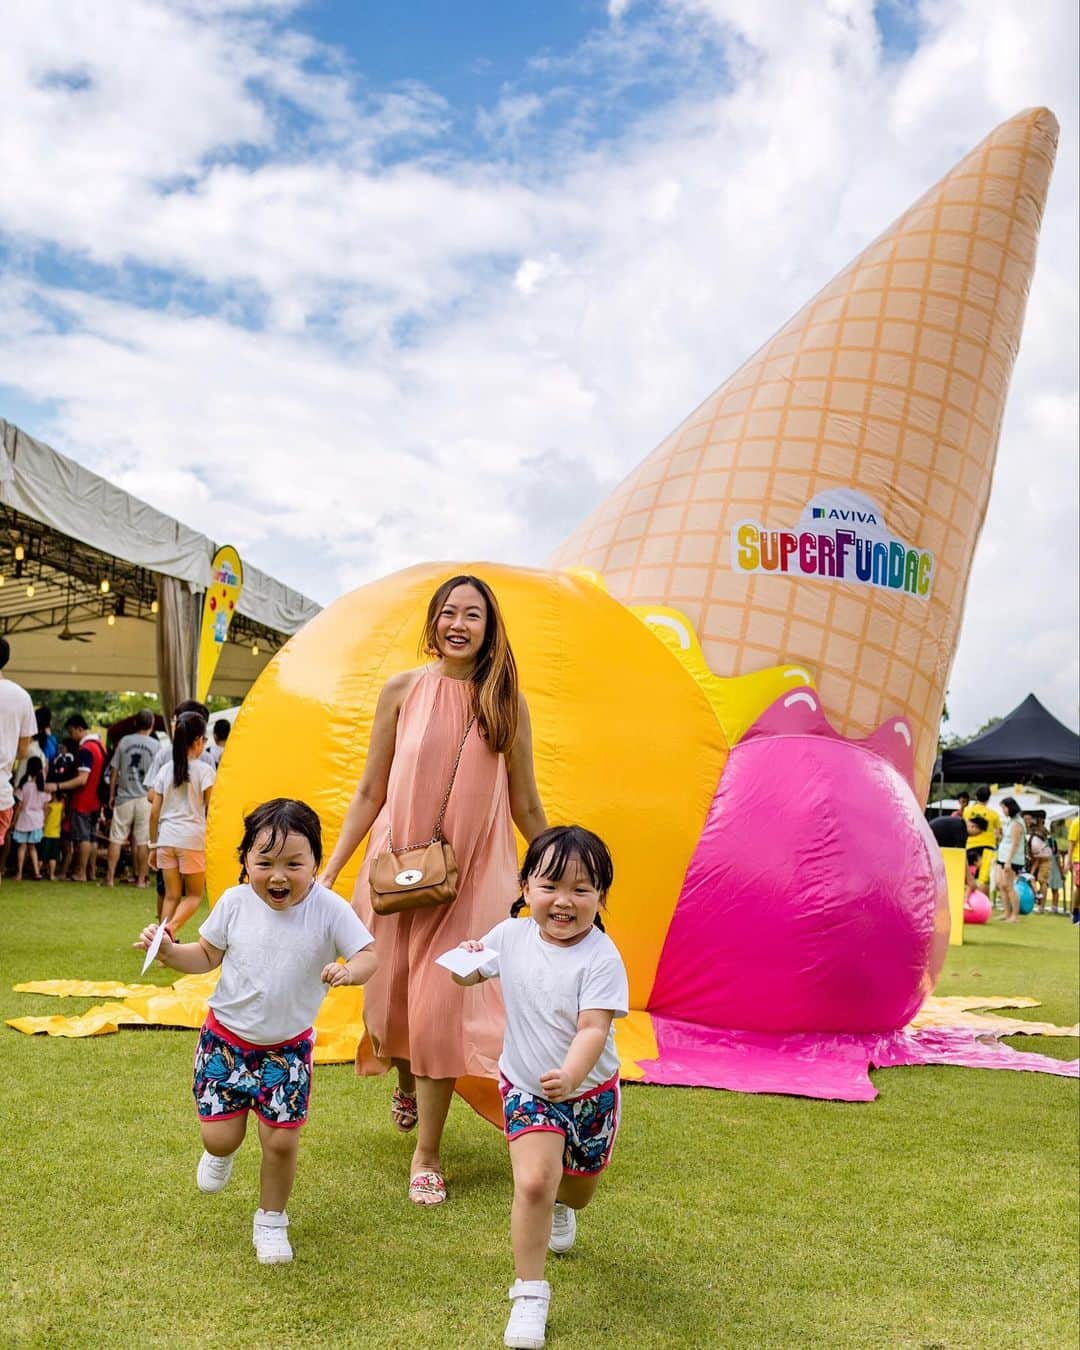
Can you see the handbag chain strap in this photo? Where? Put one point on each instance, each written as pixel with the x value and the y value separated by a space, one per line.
pixel 437 833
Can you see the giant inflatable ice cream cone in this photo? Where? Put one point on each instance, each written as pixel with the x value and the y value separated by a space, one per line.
pixel 823 505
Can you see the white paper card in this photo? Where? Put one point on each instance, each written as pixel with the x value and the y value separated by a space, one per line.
pixel 461 962
pixel 152 950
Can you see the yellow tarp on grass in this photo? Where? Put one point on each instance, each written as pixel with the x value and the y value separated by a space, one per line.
pixel 339 1024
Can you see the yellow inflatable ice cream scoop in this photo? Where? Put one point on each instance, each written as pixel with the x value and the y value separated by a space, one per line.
pixel 823 505
pixel 618 723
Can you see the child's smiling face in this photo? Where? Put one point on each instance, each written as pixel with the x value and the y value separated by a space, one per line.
pixel 281 872
pixel 563 908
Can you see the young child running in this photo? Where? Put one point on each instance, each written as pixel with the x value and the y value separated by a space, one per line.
pixel 563 983
pixel 276 937
pixel 33 797
pixel 179 800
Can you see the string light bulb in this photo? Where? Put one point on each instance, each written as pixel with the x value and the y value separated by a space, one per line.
pixel 111 620
pixel 153 606
pixel 2 578
pixel 20 553
pixel 254 649
pixel 30 591
pixel 104 585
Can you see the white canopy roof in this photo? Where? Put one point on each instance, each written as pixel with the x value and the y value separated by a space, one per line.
pixel 55 491
pixel 73 523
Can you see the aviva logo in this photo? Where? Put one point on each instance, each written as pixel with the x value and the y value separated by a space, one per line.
pixel 842 513
pixel 840 535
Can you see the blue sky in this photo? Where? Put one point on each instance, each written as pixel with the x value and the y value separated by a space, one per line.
pixel 280 268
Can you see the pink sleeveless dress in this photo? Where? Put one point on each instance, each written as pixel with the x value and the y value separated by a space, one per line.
pixel 412 1008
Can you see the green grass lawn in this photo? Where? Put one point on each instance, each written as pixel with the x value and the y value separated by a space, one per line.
pixel 944 1214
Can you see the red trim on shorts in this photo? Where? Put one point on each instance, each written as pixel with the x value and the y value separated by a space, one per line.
pixel 533 1129
pixel 219 1029
pixel 278 1124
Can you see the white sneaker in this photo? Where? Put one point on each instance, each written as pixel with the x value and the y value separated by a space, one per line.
pixel 270 1234
pixel 563 1228
pixel 213 1172
pixel 529 1301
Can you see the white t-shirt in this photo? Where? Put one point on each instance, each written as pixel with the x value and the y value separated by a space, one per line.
pixel 164 756
pixel 182 823
pixel 270 990
pixel 544 987
pixel 16 721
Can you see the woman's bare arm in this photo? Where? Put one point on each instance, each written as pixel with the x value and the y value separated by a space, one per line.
pixel 525 805
pixel 370 792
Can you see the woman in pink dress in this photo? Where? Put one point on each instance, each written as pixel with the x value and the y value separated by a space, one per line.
pixel 431 1030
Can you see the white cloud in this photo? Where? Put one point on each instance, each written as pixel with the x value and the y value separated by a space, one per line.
pixel 443 357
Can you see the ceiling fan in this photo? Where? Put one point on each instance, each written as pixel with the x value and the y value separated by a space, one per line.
pixel 67 634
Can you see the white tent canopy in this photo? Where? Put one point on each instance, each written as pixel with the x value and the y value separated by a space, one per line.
pixel 49 590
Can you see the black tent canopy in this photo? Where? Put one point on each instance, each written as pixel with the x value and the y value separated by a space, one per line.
pixel 1028 746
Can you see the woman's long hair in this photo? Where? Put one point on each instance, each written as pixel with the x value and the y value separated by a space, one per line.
pixel 494 679
pixel 189 727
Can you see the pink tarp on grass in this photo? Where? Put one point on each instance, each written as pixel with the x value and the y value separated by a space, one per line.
pixel 810 1064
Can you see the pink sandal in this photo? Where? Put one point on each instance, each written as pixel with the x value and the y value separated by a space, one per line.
pixel 403 1110
pixel 427 1188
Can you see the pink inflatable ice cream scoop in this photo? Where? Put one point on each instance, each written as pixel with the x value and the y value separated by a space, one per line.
pixel 816 898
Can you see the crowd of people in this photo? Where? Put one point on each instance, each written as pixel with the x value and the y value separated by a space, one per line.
pixel 1011 849
pixel 73 809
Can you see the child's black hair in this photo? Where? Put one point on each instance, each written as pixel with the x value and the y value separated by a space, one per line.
pixel 551 851
pixel 281 816
pixel 34 771
pixel 981 822
pixel 189 727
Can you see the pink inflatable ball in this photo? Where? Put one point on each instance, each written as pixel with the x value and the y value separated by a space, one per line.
pixel 977 907
pixel 816 899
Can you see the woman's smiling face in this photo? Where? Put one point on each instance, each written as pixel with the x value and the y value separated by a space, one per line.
pixel 281 873
pixel 461 624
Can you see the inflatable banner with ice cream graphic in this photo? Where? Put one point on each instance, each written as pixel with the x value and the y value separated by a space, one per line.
pixel 736 667
pixel 736 672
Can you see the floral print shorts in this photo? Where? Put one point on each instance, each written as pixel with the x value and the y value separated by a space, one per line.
pixel 233 1076
pixel 588 1123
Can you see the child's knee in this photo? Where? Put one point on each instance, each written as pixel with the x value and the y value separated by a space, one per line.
pixel 576 1192
pixel 536 1180
pixel 279 1143
pixel 222 1137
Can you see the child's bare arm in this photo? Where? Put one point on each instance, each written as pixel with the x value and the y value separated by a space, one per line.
pixel 156 800
pixel 192 958
pixel 585 1049
pixel 358 969
pixel 477 977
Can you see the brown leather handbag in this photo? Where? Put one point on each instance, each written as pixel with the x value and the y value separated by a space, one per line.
pixel 418 876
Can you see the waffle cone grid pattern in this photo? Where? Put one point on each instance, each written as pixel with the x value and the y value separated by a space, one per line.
pixel 891 381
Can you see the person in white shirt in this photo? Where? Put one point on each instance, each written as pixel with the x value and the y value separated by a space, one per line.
pixel 222 727
pixel 563 984
pixel 276 937
pixel 163 757
pixel 179 799
pixel 18 726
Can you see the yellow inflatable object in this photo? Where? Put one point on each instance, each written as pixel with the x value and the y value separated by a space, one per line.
pixel 737 702
pixel 956 874
pixel 822 506
pixel 339 1024
pixel 616 719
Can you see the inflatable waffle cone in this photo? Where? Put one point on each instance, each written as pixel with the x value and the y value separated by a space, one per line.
pixel 824 504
